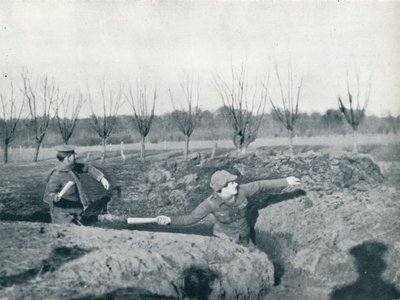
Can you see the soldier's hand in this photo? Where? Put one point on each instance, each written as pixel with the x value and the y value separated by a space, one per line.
pixel 57 197
pixel 291 180
pixel 105 183
pixel 163 220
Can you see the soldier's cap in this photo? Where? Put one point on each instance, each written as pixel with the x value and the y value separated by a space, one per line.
pixel 65 150
pixel 220 178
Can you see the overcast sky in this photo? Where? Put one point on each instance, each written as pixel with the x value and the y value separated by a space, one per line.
pixel 159 42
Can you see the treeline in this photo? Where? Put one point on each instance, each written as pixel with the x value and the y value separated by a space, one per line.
pixel 211 126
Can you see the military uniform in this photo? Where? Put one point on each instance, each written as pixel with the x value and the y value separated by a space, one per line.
pixel 74 202
pixel 230 216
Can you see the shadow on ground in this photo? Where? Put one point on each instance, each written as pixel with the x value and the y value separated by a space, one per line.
pixel 370 267
pixel 58 257
pixel 197 285
pixel 125 294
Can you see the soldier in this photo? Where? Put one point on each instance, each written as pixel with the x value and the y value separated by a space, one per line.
pixel 228 204
pixel 64 192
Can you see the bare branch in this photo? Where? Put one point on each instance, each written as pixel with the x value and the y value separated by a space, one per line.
pixel 104 121
pixel 240 114
pixel 67 109
pixel 11 114
pixel 186 120
pixel 142 115
pixel 289 112
pixel 36 100
pixel 354 114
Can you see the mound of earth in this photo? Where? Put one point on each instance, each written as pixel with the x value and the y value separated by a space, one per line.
pixel 177 187
pixel 338 242
pixel 45 261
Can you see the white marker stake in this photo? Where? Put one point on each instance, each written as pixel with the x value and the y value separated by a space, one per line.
pixel 141 220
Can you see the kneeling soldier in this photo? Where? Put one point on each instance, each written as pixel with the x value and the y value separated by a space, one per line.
pixel 64 192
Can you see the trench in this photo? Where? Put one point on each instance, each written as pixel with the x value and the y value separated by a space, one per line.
pixel 44 217
pixel 277 246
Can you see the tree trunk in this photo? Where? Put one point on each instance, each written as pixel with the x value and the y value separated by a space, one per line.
pixel 142 148
pixel 104 149
pixel 5 153
pixel 355 148
pixel 186 153
pixel 290 134
pixel 238 141
pixel 37 148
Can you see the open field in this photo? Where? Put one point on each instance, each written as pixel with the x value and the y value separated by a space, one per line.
pixel 337 142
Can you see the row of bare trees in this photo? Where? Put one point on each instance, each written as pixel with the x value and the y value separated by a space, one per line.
pixel 44 98
pixel 244 108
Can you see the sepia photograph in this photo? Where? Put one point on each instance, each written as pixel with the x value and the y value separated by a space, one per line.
pixel 215 149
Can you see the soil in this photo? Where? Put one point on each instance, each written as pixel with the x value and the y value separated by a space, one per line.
pixel 291 226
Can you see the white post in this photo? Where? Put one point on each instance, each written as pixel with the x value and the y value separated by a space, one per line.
pixel 122 151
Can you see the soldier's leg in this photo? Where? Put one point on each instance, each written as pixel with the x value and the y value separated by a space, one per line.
pixel 60 216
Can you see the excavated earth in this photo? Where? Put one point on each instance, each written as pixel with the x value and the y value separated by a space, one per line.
pixel 341 240
pixel 72 262
pixel 318 236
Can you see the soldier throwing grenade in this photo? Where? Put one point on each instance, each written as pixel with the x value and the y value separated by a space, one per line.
pixel 64 192
pixel 228 204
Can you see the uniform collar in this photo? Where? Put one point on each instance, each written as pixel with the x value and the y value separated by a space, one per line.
pixel 63 168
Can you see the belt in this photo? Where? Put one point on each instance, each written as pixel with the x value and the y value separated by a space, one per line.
pixel 63 203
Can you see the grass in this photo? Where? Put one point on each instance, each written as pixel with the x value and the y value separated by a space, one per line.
pixel 21 154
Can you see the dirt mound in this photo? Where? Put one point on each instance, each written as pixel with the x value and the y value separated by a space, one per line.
pixel 73 262
pixel 177 187
pixel 325 172
pixel 174 186
pixel 320 244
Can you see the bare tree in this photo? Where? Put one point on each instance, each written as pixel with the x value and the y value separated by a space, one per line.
pixel 187 120
pixel 289 112
pixel 355 113
pixel 11 115
pixel 242 111
pixel 143 115
pixel 39 101
pixel 67 110
pixel 104 122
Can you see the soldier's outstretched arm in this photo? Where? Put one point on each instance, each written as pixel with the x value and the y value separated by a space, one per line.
pixel 199 213
pixel 264 185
